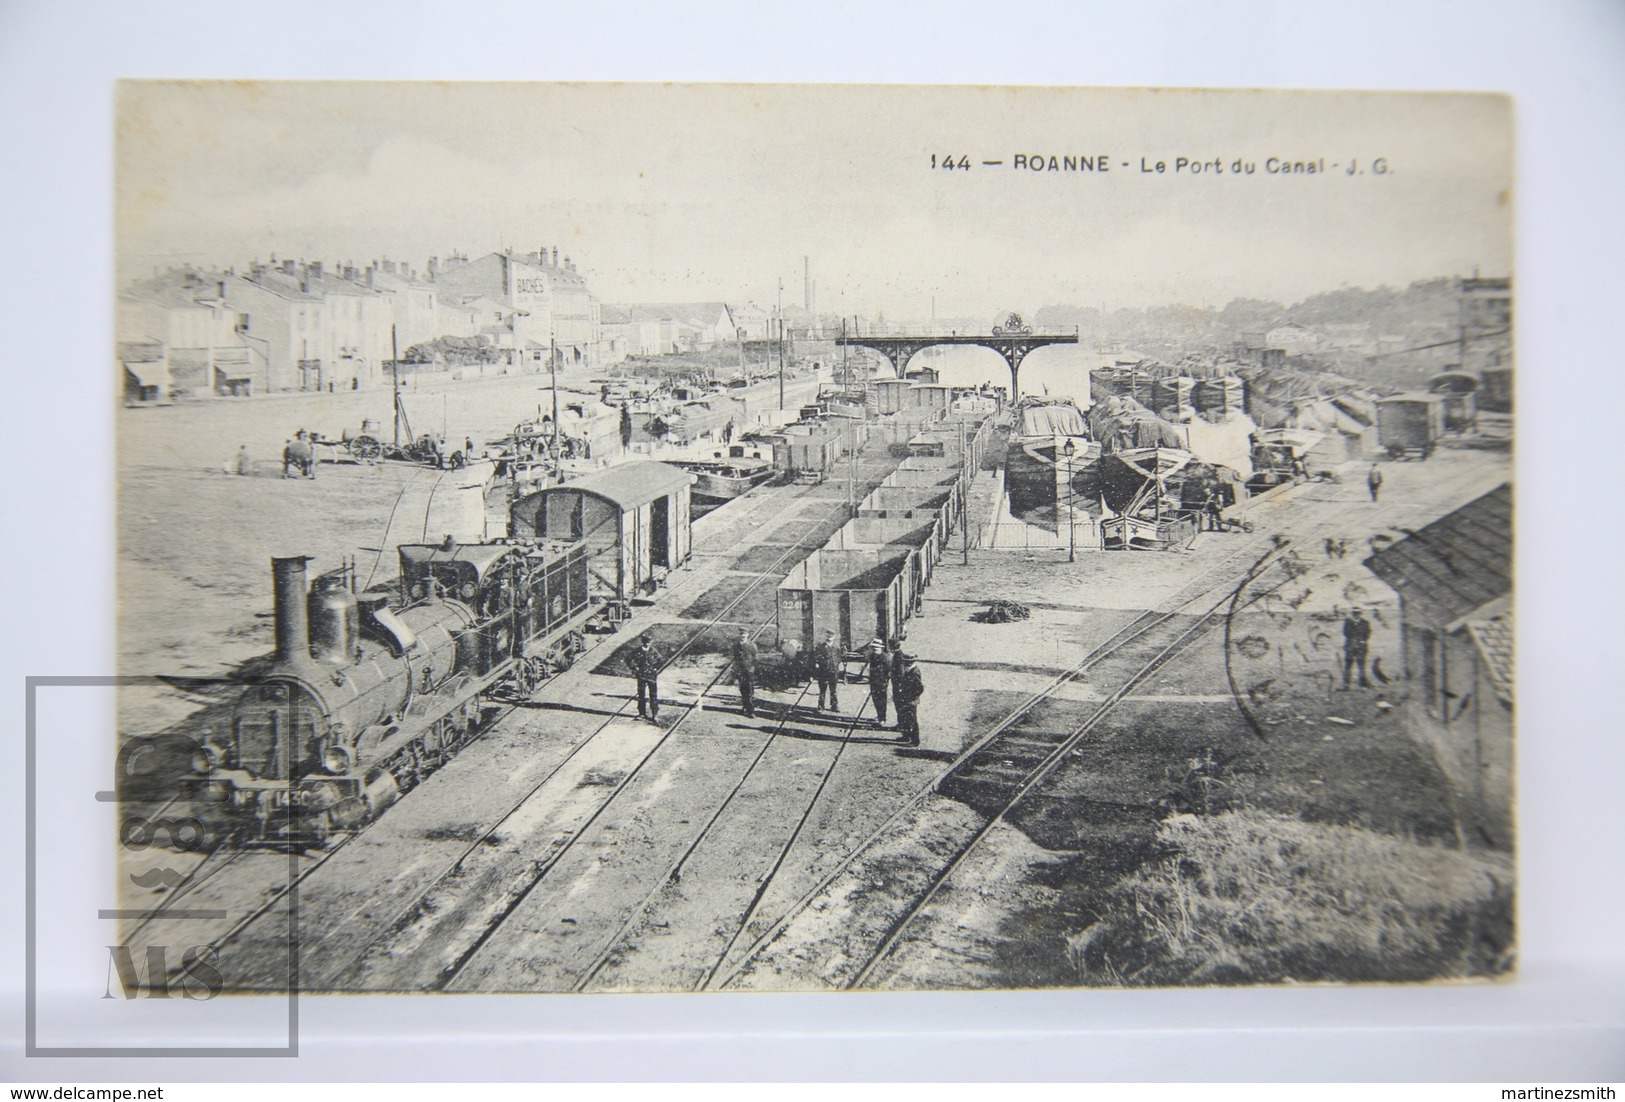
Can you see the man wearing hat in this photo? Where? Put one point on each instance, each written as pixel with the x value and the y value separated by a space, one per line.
pixel 744 656
pixel 879 677
pixel 645 663
pixel 909 688
pixel 1356 644
pixel 896 656
pixel 827 668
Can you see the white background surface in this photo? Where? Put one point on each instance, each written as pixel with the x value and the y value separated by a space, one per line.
pixel 1564 1018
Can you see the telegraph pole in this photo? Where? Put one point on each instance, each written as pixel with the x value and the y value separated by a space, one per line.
pixel 394 382
pixel 851 466
pixel 780 312
pixel 964 493
pixel 846 368
pixel 553 364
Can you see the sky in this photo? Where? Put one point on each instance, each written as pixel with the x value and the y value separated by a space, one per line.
pixel 694 192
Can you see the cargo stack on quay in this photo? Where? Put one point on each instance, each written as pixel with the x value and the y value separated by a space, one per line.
pixel 563 839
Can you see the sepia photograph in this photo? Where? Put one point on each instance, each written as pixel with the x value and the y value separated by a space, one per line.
pixel 805 538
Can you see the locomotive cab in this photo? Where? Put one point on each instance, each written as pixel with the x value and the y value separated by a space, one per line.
pixel 482 578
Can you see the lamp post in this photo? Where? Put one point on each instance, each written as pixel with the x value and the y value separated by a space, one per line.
pixel 1070 449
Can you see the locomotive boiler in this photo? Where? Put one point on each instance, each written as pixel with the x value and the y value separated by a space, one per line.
pixel 367 693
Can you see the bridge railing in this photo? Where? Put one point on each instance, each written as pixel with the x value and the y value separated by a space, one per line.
pixel 927 330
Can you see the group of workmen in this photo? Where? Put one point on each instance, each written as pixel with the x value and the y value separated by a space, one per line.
pixel 888 668
pixel 892 674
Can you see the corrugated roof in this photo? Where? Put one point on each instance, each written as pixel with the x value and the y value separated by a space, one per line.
pixel 1494 640
pixel 629 485
pixel 1456 565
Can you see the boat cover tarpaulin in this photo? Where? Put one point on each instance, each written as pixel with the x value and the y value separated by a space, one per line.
pixel 1121 423
pixel 1056 420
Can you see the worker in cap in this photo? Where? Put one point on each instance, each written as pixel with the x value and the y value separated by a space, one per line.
pixel 744 658
pixel 909 688
pixel 880 670
pixel 827 669
pixel 645 664
pixel 1356 645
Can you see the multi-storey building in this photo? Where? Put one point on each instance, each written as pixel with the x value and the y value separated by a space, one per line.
pixel 414 303
pixel 294 325
pixel 542 304
pixel 179 336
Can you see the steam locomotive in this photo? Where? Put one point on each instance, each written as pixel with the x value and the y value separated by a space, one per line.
pixel 369 692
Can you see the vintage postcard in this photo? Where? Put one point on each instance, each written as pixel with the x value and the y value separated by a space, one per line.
pixel 686 538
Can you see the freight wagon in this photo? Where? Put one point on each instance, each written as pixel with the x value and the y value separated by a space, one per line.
pixel 1410 424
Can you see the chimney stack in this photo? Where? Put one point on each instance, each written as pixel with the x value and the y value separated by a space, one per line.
pixel 292 617
pixel 555 256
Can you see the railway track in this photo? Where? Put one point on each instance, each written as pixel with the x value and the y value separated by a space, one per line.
pixel 473 864
pixel 665 897
pixel 971 767
pixel 513 900
pixel 616 945
pixel 996 773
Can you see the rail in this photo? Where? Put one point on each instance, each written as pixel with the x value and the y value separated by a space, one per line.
pixel 1130 633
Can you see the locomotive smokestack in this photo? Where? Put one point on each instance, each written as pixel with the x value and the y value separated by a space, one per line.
pixel 292 623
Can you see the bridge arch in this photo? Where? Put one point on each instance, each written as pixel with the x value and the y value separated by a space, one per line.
pixel 1012 341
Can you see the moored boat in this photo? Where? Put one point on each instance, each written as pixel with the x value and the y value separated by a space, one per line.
pixel 1038 459
pixel 725 473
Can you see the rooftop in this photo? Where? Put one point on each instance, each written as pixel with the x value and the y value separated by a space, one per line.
pixel 629 485
pixel 1456 566
pixel 1493 637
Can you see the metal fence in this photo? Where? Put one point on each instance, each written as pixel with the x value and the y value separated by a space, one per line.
pixel 1015 536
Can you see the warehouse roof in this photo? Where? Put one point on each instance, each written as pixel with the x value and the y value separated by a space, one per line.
pixel 629 485
pixel 1455 566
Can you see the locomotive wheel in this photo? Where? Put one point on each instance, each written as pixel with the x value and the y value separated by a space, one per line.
pixel 349 813
pixel 436 741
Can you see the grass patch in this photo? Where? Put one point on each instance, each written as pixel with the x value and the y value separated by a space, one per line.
pixel 1249 897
